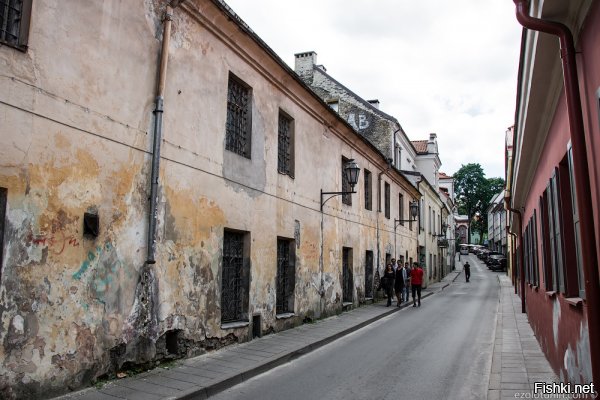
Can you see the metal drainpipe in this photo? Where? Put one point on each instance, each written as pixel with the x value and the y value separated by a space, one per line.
pixel 521 256
pixel 379 210
pixel 512 261
pixel 158 114
pixel 580 165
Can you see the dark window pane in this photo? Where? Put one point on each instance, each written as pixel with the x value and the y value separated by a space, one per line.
pixel 231 284
pixel 237 134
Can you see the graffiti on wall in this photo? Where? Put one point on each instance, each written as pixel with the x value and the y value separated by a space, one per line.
pixel 359 124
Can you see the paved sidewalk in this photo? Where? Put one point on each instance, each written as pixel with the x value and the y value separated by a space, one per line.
pixel 203 376
pixel 517 360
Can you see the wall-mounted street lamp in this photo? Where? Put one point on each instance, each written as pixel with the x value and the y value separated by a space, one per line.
pixel 351 171
pixel 414 211
pixel 443 233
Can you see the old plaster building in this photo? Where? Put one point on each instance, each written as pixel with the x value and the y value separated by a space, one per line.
pixel 553 190
pixel 162 203
pixel 496 219
pixel 418 160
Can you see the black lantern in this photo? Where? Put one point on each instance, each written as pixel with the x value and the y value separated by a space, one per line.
pixel 351 172
pixel 414 209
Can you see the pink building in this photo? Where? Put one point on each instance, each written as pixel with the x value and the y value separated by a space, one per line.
pixel 553 182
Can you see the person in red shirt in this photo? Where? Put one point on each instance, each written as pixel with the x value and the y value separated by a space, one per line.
pixel 416 280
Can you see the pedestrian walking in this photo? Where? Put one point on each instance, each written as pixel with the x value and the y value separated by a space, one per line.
pixel 393 262
pixel 416 280
pixel 388 283
pixel 467 269
pixel 399 284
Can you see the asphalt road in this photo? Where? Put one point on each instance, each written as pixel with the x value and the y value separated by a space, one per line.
pixel 441 350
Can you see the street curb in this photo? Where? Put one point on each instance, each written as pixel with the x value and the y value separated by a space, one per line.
pixel 211 390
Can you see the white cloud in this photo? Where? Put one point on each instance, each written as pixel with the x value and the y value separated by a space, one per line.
pixel 448 67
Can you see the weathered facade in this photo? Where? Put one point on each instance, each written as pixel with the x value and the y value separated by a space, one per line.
pixel 554 183
pixel 418 160
pixel 496 219
pixel 242 247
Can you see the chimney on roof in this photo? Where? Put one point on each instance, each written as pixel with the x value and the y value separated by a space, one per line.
pixel 305 63
pixel 432 144
pixel 374 103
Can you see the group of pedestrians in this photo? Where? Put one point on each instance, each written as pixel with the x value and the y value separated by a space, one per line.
pixel 399 279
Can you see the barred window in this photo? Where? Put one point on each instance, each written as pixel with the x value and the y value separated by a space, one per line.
pixel 14 22
pixel 387 200
pixel 239 121
pixel 368 193
pixel 347 275
pixel 286 276
pixel 3 198
pixel 235 277
pixel 285 160
pixel 401 208
pixel 346 198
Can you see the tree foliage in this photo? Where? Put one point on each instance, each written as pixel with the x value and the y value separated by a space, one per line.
pixel 473 194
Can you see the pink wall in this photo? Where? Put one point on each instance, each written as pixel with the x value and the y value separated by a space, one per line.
pixel 560 327
pixel 589 70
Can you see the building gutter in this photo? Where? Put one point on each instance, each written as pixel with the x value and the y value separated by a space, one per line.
pixel 158 118
pixel 580 165
pixel 521 257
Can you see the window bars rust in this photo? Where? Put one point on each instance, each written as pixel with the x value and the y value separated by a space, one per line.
pixel 347 275
pixel 285 278
pixel 237 135
pixel 14 23
pixel 284 164
pixel 231 284
pixel 346 198
pixel 369 274
pixel 10 20
pixel 368 185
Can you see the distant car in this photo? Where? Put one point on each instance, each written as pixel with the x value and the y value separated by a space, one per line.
pixel 490 254
pixel 497 262
pixel 464 249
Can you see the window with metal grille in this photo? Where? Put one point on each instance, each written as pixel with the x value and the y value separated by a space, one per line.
pixel 14 22
pixel 235 277
pixel 368 192
pixel 369 274
pixel 347 276
pixel 239 122
pixel 285 159
pixel 401 208
pixel 3 198
pixel 387 200
pixel 286 276
pixel 346 198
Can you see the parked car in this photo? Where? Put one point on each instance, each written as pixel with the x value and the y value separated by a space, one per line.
pixel 497 263
pixel 486 258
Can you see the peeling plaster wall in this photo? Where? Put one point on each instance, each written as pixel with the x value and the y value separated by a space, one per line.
pixel 562 331
pixel 76 132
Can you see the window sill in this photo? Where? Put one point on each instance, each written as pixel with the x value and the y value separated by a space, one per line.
pixel 347 304
pixel 574 301
pixel 235 325
pixel 551 294
pixel 536 288
pixel 285 315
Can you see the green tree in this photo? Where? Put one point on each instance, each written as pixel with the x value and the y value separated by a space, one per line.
pixel 473 194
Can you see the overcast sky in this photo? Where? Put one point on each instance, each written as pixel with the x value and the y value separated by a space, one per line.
pixel 448 67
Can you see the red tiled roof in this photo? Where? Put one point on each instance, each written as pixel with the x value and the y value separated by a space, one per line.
pixel 444 176
pixel 420 146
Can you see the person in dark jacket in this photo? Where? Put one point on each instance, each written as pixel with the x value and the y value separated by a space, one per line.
pixel 467 269
pixel 388 283
pixel 399 283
